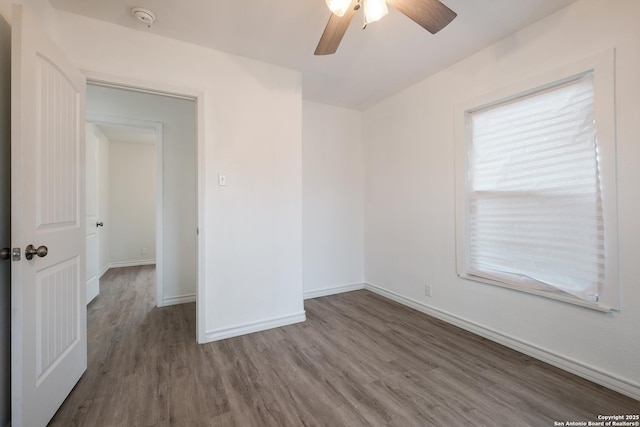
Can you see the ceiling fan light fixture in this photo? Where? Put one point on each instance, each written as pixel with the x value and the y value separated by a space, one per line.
pixel 432 15
pixel 374 10
pixel 338 7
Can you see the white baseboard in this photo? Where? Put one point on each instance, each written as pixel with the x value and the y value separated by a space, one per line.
pixel 248 328
pixel 580 369
pixel 181 299
pixel 103 271
pixel 333 290
pixel 119 264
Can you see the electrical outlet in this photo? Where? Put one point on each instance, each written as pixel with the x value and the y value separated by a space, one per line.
pixel 143 251
pixel 427 290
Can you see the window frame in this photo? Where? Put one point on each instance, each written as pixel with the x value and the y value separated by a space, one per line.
pixel 602 66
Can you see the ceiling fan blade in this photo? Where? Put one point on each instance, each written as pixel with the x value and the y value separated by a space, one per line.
pixel 334 31
pixel 429 14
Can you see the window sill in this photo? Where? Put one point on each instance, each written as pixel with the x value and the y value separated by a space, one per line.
pixel 558 297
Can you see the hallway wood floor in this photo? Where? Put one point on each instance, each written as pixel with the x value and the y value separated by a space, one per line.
pixel 359 360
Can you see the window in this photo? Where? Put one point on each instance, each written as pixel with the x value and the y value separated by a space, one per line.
pixel 533 203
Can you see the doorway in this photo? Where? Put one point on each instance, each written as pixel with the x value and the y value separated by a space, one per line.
pixel 124 197
pixel 171 122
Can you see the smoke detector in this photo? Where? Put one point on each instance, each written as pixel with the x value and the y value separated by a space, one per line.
pixel 143 15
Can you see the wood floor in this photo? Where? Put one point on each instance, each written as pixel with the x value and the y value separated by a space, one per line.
pixel 358 360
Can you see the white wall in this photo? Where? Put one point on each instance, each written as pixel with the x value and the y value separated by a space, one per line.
pixel 178 119
pixel 42 9
pixel 332 199
pixel 5 221
pixel 251 131
pixel 410 215
pixel 132 203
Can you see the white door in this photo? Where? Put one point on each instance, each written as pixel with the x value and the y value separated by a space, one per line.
pixel 92 222
pixel 48 296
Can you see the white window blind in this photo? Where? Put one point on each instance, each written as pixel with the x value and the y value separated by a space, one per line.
pixel 535 216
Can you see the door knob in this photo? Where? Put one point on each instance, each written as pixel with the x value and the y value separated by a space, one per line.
pixel 30 251
pixel 5 253
pixel 100 224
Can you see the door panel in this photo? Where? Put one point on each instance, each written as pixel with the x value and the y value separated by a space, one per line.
pixel 48 296
pixel 57 328
pixel 56 148
pixel 92 279
pixel 91 170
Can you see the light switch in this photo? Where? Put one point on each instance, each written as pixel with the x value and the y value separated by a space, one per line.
pixel 222 179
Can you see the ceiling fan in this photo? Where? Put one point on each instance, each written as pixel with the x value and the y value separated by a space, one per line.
pixel 430 14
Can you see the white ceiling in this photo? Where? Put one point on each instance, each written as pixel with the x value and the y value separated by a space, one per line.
pixel 390 55
pixel 127 133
